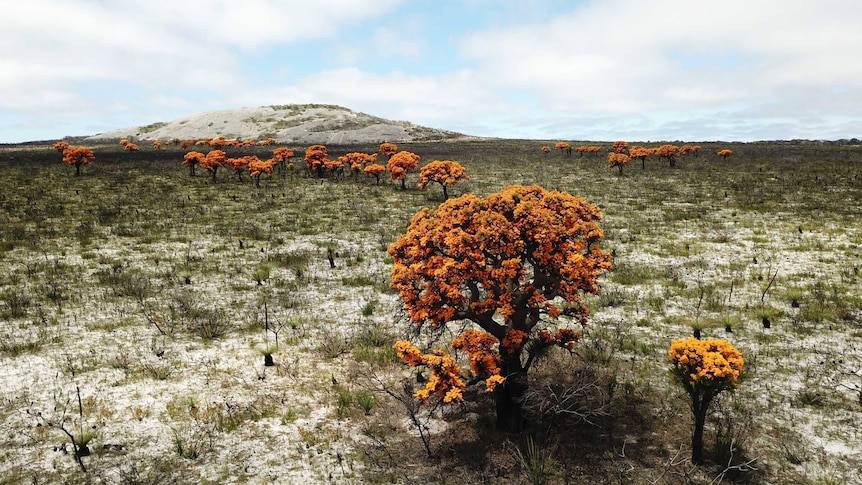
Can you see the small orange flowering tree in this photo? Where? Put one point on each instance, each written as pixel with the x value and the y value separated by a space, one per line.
pixel 388 149
pixel 158 145
pixel 239 164
pixel 187 143
pixel 704 368
pixel 618 160
pixel 513 264
pixel 60 146
pixel 315 158
pixel 563 147
pixel 281 155
pixel 268 142
pixel 78 156
pixel 445 173
pixel 581 149
pixel 668 151
pixel 724 153
pixel 130 147
pixel 357 161
pixel 193 158
pixel 212 161
pixel 258 167
pixel 401 163
pixel 640 153
pixel 375 170
pixel 546 149
pixel 594 149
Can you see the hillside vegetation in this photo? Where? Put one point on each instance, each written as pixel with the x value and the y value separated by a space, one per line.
pixel 293 123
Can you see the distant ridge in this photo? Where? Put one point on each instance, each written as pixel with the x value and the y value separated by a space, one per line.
pixel 292 123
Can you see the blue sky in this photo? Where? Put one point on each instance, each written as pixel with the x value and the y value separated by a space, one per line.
pixel 576 70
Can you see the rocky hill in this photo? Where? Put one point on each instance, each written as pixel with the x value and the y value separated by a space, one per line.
pixel 293 123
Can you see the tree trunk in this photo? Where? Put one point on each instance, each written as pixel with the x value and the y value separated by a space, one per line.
pixel 445 193
pixel 192 169
pixel 621 169
pixel 77 170
pixel 508 397
pixel 699 407
pixel 403 183
pixel 214 174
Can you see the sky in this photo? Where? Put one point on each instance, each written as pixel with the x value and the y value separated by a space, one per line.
pixel 635 70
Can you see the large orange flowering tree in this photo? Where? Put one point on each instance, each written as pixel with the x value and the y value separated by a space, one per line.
pixel 516 265
pixel 667 151
pixel 704 368
pixel 443 172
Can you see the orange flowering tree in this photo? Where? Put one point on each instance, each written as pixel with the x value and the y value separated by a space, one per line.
pixel 357 161
pixel 581 150
pixel 704 368
pixel 193 158
pixel 130 147
pixel 239 165
pixel 640 153
pixel 388 149
pixel 78 156
pixel 592 149
pixel 375 170
pixel 187 143
pixel 401 163
pixel 668 151
pixel 695 149
pixel 618 160
pixel 563 147
pixel 158 145
pixel 281 155
pixel 258 167
pixel 212 161
pixel 60 146
pixel 514 264
pixel 445 173
pixel 546 149
pixel 315 159
pixel 724 153
pixel 268 142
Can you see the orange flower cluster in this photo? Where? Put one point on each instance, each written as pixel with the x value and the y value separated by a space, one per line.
pixel 268 142
pixel 514 340
pixel 60 146
pixel 158 145
pixel 388 149
pixel 520 251
pixel 725 153
pixel 705 365
pixel 445 381
pixel 546 149
pixel 561 145
pixel 620 146
pixel 565 338
pixel 212 161
pixel 484 359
